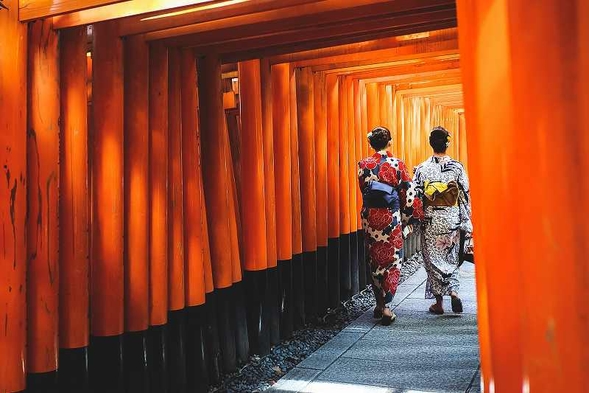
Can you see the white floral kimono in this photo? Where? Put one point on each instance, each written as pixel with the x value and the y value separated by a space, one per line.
pixel 442 224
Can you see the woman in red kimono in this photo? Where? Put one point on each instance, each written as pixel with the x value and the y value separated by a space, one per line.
pixel 389 212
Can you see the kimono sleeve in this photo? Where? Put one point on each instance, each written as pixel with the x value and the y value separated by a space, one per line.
pixel 361 175
pixel 410 203
pixel 465 208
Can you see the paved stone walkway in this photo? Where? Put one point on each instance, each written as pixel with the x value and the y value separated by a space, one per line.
pixel 419 352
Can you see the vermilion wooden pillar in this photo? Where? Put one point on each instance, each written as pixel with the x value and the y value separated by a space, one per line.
pixel 231 312
pixel 219 199
pixel 218 196
pixel 232 315
pixel 74 210
pixel 158 218
pixel 372 106
pixel 136 120
pixel 364 119
pixel 390 118
pixel 13 200
pixel 253 204
pixel 360 136
pixel 252 167
pixel 462 143
pixel 333 188
pixel 195 230
pixel 273 300
pixel 107 273
pixel 352 186
pixel 297 232
pixel 320 125
pixel 344 192
pixel 176 292
pixel 43 206
pixel 533 334
pixel 306 128
pixel 283 164
pixel 176 203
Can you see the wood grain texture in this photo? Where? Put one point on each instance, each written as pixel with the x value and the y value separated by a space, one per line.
pixel 13 200
pixel 43 198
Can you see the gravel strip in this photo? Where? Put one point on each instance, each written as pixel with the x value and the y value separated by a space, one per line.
pixel 260 373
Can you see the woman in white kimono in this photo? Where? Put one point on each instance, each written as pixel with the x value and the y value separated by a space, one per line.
pixel 442 183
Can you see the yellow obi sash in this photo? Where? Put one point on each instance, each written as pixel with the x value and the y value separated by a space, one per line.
pixel 439 193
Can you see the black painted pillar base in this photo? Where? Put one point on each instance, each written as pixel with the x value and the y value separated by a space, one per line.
pixel 286 298
pixel 257 311
pixel 197 375
pixel 310 281
pixel 106 364
pixel 298 284
pixel 136 373
pixel 273 302
pixel 242 348
pixel 212 345
pixel 345 272
pixel 42 382
pixel 73 370
pixel 157 355
pixel 361 260
pixel 177 351
pixel 333 272
pixel 322 282
pixel 354 263
pixel 226 326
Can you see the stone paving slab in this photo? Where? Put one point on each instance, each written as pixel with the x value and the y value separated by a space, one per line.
pixel 410 355
pixel 419 353
pixel 361 325
pixel 384 374
pixel 330 351
pixel 422 305
pixel 296 380
pixel 423 325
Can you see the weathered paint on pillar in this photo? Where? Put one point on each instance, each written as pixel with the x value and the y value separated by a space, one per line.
pixel 136 183
pixel 217 183
pixel 195 220
pixel 13 200
pixel 158 168
pixel 107 273
pixel 176 292
pixel 74 198
pixel 253 206
pixel 43 198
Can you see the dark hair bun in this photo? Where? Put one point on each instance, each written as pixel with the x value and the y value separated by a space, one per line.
pixel 438 139
pixel 379 137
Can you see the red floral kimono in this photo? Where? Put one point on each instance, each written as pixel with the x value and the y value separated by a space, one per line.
pixel 383 227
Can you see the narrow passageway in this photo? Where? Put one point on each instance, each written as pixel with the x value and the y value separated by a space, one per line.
pixel 419 352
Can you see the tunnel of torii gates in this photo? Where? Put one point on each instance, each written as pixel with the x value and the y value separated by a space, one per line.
pixel 180 183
